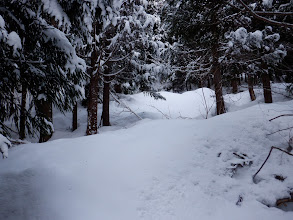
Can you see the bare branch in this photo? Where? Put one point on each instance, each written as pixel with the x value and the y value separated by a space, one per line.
pixel 269 21
pixel 280 116
pixel 253 177
pixel 166 116
pixel 281 130
pixel 273 13
pixel 25 61
pixel 113 74
pixel 119 59
pixel 124 105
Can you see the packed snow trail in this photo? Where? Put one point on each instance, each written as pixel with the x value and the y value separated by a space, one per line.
pixel 156 169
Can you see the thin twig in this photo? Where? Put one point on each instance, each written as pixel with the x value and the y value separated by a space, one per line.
pixel 268 158
pixel 284 129
pixel 125 106
pixel 259 17
pixel 165 115
pixel 280 116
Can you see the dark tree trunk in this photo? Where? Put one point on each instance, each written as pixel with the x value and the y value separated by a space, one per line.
pixel 218 90
pixel 199 83
pixel 250 87
pixel 267 91
pixel 12 109
pixel 92 109
pixel 106 102
pixel 74 118
pixel 234 83
pixel 216 68
pixel 45 110
pixel 209 82
pixel 267 88
pixel 22 118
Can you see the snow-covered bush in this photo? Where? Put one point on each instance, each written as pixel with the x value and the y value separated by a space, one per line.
pixel 4 145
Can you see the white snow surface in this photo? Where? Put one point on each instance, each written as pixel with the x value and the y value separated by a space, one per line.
pixel 181 168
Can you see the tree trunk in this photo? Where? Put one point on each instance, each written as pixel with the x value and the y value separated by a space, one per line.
pixel 216 68
pixel 199 83
pixel 267 91
pixel 250 87
pixel 74 118
pixel 234 83
pixel 45 110
pixel 218 90
pixel 106 102
pixel 92 109
pixel 22 118
pixel 11 108
pixel 209 82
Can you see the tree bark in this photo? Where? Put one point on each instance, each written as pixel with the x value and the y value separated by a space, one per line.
pixel 209 82
pixel 250 87
pixel 267 91
pixel 45 110
pixel 218 89
pixel 74 118
pixel 92 109
pixel 22 118
pixel 216 68
pixel 199 83
pixel 234 83
pixel 106 102
pixel 11 108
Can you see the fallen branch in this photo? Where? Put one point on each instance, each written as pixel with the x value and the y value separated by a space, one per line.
pixel 284 201
pixel 166 116
pixel 280 116
pixel 17 142
pixel 124 105
pixel 284 129
pixel 253 178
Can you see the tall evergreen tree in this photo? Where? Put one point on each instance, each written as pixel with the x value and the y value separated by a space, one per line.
pixel 46 66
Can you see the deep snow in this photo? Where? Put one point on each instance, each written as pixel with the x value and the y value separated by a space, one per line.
pixel 181 168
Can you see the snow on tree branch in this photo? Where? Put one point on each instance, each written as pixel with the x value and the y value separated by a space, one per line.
pixel 4 145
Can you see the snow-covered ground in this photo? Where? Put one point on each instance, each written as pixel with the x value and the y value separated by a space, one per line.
pixel 173 164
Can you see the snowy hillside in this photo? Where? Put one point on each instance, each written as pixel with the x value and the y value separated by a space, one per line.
pixel 181 168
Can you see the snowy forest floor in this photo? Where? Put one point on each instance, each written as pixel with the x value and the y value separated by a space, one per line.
pixel 181 168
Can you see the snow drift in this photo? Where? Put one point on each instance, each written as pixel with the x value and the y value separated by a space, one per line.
pixel 156 169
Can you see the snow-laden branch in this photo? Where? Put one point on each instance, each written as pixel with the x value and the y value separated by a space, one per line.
pixel 4 145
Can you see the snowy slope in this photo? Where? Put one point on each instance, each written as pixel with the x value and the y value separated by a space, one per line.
pixel 155 169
